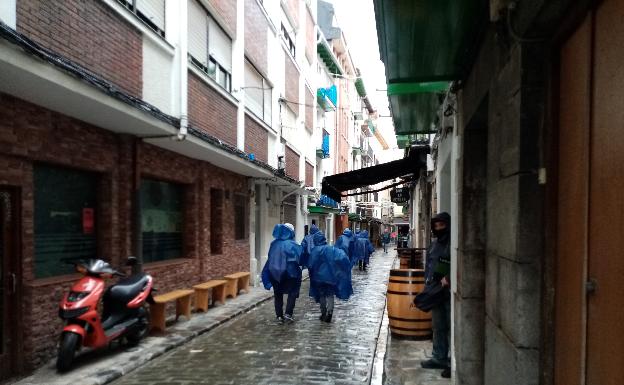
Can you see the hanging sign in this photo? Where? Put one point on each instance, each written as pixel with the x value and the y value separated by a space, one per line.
pixel 399 195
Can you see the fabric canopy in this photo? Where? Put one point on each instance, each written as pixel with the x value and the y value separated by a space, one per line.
pixel 333 185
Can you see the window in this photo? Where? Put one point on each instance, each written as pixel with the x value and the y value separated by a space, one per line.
pixel 161 220
pixel 216 221
pixel 240 217
pixel 65 219
pixel 288 40
pixel 209 47
pixel 257 93
pixel 151 12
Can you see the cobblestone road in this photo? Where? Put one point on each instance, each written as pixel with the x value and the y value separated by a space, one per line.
pixel 252 349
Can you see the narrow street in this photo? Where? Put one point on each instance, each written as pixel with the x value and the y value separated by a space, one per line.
pixel 253 349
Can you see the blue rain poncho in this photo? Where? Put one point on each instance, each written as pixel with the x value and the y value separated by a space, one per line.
pixel 346 242
pixel 307 244
pixel 330 270
pixel 282 270
pixel 363 248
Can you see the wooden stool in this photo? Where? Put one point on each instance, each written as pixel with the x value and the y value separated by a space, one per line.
pixel 183 307
pixel 216 286
pixel 237 281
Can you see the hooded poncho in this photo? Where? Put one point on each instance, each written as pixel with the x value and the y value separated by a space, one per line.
pixel 307 244
pixel 330 270
pixel 345 242
pixel 282 270
pixel 362 248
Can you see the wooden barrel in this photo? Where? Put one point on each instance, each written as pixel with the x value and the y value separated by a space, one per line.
pixel 405 255
pixel 406 321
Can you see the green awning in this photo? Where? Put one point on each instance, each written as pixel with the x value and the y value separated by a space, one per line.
pixel 322 210
pixel 425 45
pixel 328 57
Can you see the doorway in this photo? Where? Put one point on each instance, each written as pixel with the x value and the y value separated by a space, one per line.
pixel 589 343
pixel 9 283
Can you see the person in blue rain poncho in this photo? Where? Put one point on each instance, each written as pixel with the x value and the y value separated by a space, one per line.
pixel 282 271
pixel 307 244
pixel 362 249
pixel 345 242
pixel 330 275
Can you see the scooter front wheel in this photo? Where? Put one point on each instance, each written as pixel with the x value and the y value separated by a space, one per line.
pixel 67 351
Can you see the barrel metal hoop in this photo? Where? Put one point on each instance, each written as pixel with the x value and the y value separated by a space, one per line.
pixel 399 281
pixel 402 292
pixel 409 320
pixel 410 329
pixel 407 273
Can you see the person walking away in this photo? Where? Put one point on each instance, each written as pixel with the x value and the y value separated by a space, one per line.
pixel 330 275
pixel 437 271
pixel 385 239
pixel 345 243
pixel 282 271
pixel 362 250
pixel 307 244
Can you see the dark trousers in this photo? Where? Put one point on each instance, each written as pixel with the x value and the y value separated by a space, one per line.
pixel 441 319
pixel 290 304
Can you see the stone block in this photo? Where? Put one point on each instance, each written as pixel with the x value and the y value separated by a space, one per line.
pixel 519 302
pixel 471 274
pixel 507 364
pixel 469 372
pixel 492 307
pixel 502 216
pixel 469 331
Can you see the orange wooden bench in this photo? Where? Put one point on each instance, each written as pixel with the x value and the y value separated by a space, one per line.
pixel 236 282
pixel 216 287
pixel 157 309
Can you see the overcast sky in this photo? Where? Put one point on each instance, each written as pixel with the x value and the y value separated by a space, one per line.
pixel 357 20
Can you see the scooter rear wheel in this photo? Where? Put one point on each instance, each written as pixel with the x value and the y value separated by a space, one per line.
pixel 142 329
pixel 67 351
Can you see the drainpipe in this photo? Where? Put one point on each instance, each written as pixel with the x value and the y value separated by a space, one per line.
pixel 137 230
pixel 183 42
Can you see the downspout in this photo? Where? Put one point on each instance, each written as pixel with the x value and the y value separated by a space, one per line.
pixel 183 41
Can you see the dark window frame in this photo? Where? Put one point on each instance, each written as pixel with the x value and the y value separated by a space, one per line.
pixel 289 41
pixel 216 220
pixel 130 5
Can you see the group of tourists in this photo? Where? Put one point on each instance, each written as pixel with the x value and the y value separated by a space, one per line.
pixel 329 268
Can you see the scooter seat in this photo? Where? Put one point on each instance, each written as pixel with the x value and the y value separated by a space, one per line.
pixel 128 288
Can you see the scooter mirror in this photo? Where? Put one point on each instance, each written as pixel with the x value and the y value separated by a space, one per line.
pixel 132 261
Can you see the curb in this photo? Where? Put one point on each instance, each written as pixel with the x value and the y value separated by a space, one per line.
pixel 148 350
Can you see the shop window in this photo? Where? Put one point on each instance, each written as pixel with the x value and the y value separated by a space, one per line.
pixel 216 221
pixel 65 219
pixel 240 217
pixel 161 220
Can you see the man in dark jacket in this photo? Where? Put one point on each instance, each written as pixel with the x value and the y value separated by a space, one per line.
pixel 437 271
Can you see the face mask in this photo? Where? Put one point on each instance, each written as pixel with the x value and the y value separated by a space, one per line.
pixel 439 233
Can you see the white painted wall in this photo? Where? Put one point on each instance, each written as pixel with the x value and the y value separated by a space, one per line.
pixel 8 12
pixel 158 70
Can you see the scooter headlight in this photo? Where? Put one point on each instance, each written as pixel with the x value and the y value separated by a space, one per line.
pixel 75 296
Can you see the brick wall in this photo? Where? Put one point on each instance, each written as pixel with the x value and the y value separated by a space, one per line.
pixel 292 83
pixel 256 139
pixel 256 38
pixel 226 10
pixel 309 174
pixel 292 163
pixel 210 111
pixel 89 33
pixel 310 49
pixel 309 110
pixel 31 134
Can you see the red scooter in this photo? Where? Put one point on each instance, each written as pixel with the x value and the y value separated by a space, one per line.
pixel 124 314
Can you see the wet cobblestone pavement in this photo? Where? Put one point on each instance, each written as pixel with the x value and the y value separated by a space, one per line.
pixel 252 349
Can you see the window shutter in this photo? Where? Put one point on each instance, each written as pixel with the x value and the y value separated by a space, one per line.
pixel 197 32
pixel 220 45
pixel 154 10
pixel 253 90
